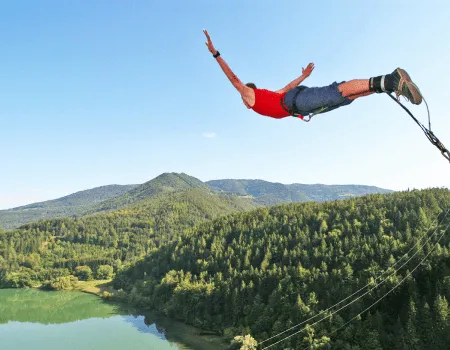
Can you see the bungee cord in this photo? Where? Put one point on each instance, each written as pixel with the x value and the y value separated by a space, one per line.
pixel 429 134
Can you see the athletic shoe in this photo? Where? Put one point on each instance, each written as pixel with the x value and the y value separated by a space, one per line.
pixel 404 86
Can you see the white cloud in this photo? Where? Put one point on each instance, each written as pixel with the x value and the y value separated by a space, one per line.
pixel 209 135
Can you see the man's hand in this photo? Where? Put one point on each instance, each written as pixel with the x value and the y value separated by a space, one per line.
pixel 306 72
pixel 209 43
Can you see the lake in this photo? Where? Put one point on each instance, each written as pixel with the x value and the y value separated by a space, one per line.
pixel 35 319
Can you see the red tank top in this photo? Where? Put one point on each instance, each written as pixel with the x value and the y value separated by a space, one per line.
pixel 268 103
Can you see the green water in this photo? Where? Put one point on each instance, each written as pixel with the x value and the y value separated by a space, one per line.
pixel 33 319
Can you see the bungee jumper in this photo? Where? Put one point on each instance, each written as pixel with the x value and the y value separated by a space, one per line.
pixel 301 101
pixel 296 100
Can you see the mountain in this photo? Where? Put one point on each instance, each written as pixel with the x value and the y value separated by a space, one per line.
pixel 114 197
pixel 72 205
pixel 270 193
pixel 263 271
pixel 164 183
pixel 105 198
pixel 209 259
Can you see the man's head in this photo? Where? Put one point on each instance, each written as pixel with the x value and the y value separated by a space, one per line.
pixel 252 86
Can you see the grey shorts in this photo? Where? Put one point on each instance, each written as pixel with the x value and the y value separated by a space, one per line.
pixel 315 99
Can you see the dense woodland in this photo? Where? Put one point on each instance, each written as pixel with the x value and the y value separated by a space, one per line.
pixel 203 261
pixel 263 271
pixel 51 249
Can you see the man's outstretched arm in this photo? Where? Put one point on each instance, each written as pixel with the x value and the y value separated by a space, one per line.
pixel 226 69
pixel 306 72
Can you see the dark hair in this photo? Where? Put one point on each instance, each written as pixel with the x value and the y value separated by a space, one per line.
pixel 251 85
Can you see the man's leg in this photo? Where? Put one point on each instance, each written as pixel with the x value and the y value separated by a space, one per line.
pixel 355 87
pixel 354 97
pixel 398 81
pixel 327 98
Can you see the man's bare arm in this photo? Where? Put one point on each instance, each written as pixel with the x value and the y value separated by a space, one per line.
pixel 305 74
pixel 231 76
pixel 292 84
pixel 226 69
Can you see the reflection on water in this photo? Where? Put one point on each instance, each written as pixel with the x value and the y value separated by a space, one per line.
pixel 140 322
pixel 33 319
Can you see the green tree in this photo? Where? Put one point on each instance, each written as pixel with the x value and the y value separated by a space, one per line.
pixel 84 273
pixel 105 272
pixel 243 343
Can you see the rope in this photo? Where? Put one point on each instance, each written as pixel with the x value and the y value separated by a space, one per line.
pixel 350 303
pixel 395 287
pixel 429 134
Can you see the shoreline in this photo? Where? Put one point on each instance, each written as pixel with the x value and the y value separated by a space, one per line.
pixel 95 287
pixel 178 330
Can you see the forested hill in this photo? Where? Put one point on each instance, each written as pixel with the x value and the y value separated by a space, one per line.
pixel 106 198
pixel 164 183
pixel 271 193
pixel 72 205
pixel 52 249
pixel 263 271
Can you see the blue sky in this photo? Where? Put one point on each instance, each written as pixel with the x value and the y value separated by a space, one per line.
pixel 117 92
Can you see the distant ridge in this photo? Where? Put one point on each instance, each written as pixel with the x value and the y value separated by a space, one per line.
pixel 271 193
pixel 115 197
pixel 71 205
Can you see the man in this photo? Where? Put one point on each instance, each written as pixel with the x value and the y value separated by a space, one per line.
pixel 294 100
